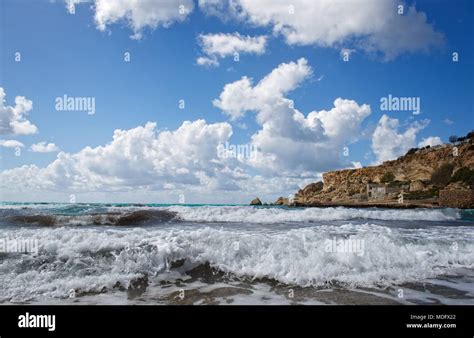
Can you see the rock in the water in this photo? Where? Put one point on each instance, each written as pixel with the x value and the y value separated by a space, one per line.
pixel 256 201
pixel 282 201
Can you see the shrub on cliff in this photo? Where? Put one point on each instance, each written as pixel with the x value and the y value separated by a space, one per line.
pixel 387 177
pixel 422 194
pixel 442 175
pixel 397 184
pixel 465 175
pixel 453 138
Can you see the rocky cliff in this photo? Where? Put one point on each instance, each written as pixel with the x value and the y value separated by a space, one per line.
pixel 418 177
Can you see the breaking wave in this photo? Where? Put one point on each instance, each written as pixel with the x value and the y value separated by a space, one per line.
pixel 90 260
pixel 279 215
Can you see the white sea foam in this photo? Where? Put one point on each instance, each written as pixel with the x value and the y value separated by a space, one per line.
pixel 278 215
pixel 70 214
pixel 95 259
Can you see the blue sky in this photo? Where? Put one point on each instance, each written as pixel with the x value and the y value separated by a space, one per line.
pixel 65 53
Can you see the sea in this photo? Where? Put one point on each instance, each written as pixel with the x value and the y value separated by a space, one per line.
pixel 234 254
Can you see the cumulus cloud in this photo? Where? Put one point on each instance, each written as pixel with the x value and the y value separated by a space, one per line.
pixel 134 158
pixel 138 15
pixel 430 141
pixel 11 144
pixel 221 45
pixel 166 163
pixel 13 119
pixel 374 26
pixel 241 96
pixel 290 142
pixel 388 143
pixel 43 147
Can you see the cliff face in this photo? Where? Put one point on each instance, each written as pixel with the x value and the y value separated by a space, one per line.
pixel 419 176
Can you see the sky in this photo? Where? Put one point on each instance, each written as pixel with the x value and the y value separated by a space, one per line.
pixel 213 101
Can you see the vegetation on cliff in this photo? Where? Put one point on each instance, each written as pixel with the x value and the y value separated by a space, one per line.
pixel 421 176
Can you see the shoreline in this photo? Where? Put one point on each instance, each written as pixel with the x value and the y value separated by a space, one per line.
pixel 294 204
pixel 369 205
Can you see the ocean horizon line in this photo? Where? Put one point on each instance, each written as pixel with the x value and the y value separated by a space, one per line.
pixel 124 203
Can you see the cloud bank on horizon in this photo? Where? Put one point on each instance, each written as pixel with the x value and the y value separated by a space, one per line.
pixel 290 147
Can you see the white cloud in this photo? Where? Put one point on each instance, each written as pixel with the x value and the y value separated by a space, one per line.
pixel 369 25
pixel 207 61
pixel 448 121
pixel 290 142
pixel 388 143
pixel 138 14
pixel 71 5
pixel 240 96
pixel 430 141
pixel 374 26
pixel 220 8
pixel 298 144
pixel 221 45
pixel 11 144
pixel 43 147
pixel 143 164
pixel 137 157
pixel 13 119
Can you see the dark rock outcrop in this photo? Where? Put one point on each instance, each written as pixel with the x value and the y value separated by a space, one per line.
pixel 256 201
